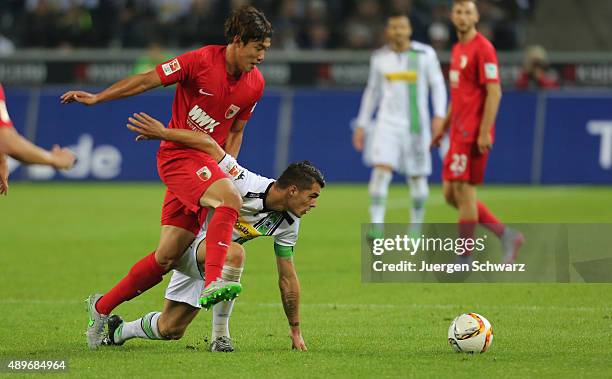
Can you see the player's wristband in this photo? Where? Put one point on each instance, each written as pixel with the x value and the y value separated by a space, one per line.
pixel 229 166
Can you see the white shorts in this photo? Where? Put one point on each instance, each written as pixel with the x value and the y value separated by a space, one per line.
pixel 187 281
pixel 406 153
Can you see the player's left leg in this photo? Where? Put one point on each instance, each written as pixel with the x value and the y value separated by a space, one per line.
pixel 170 324
pixel 511 239
pixel 419 191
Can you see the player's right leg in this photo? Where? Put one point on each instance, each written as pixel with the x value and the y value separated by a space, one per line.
pixel 384 155
pixel 223 196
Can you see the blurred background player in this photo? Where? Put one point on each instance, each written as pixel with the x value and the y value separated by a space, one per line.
pixel 218 88
pixel 270 208
pixel 14 145
pixel 401 76
pixel 475 97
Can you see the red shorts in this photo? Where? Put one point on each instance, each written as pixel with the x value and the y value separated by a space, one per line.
pixel 187 174
pixel 464 163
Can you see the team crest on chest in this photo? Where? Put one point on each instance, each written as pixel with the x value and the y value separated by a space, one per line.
pixel 463 61
pixel 204 173
pixel 231 111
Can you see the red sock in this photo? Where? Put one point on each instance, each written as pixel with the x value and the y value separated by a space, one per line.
pixel 218 239
pixel 145 274
pixel 466 230
pixel 488 220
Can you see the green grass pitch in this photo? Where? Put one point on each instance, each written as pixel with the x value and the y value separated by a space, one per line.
pixel 61 242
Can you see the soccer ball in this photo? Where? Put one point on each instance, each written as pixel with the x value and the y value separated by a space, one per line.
pixel 470 333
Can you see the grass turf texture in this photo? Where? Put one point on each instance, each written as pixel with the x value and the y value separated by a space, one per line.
pixel 61 242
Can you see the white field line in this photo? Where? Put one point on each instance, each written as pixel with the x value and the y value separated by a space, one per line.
pixel 533 308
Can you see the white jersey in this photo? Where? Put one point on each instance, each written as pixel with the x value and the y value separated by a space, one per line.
pixel 399 85
pixel 187 281
pixel 255 220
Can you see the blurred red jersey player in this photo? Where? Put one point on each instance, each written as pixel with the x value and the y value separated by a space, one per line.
pixel 217 90
pixel 14 145
pixel 475 92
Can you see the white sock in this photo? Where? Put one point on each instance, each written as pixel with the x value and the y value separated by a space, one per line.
pixel 419 191
pixel 379 188
pixel 145 327
pixel 223 310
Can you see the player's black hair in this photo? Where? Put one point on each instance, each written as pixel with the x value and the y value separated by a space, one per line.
pixel 248 23
pixel 301 174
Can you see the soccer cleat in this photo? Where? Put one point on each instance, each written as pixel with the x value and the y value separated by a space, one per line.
pixel 218 291
pixel 511 240
pixel 96 324
pixel 222 344
pixel 115 325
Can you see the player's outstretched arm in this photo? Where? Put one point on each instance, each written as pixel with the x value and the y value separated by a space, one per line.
pixel 149 128
pixel 4 174
pixel 130 86
pixel 290 295
pixel 14 145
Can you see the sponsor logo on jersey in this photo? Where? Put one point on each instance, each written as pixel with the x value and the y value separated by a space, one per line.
pixel 231 111
pixel 204 173
pixel 171 67
pixel 202 120
pixel 463 61
pixel 202 92
pixel 402 76
pixel 490 70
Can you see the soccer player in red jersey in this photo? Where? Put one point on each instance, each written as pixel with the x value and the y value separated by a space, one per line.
pixel 217 90
pixel 14 145
pixel 475 97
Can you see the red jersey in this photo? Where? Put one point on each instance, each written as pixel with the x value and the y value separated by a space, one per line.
pixel 473 66
pixel 5 119
pixel 207 98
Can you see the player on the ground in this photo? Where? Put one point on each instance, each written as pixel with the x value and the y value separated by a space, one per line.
pixel 270 208
pixel 475 97
pixel 14 145
pixel 402 73
pixel 217 90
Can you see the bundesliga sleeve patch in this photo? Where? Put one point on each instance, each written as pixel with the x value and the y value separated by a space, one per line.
pixel 171 67
pixel 490 70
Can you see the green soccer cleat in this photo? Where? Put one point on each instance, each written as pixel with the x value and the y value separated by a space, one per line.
pixel 218 291
pixel 115 325
pixel 96 324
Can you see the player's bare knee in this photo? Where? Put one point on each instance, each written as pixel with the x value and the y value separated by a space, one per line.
pixel 449 196
pixel 173 332
pixel 165 260
pixel 232 199
pixel 235 255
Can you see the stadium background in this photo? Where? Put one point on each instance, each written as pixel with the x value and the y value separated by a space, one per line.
pixel 315 74
pixel 61 241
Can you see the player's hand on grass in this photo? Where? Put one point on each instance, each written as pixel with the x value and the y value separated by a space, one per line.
pixel 147 127
pixel 485 142
pixel 62 158
pixel 358 138
pixel 79 97
pixel 4 174
pixel 297 342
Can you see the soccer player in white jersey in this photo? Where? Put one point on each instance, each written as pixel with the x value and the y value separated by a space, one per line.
pixel 270 208
pixel 402 74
